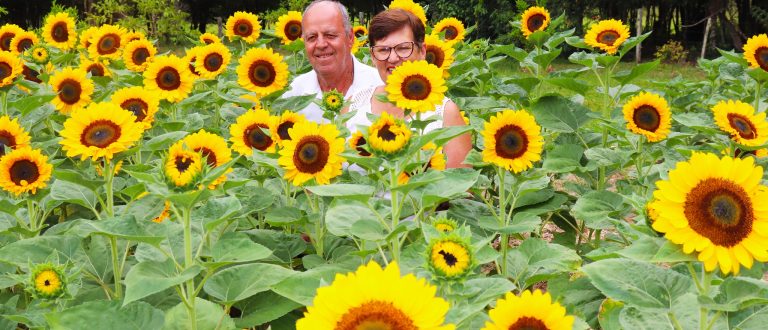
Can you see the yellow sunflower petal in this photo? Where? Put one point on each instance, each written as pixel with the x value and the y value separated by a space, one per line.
pixel 607 35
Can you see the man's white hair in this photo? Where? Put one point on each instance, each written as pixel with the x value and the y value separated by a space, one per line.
pixel 342 11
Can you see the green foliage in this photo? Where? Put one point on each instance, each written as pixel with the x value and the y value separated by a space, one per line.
pixel 159 19
pixel 672 52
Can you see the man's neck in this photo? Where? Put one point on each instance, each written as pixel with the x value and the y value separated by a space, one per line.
pixel 340 81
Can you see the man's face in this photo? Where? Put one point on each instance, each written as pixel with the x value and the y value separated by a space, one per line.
pixel 328 46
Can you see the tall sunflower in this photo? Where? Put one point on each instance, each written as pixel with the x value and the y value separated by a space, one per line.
pixel 100 130
pixel 417 86
pixel 212 60
pixel 408 5
pixel 288 27
pixel 141 103
pixel 244 25
pixel 96 68
pixel 10 68
pixel 534 19
pixel 313 152
pixel 648 114
pixel 378 298
pixel 756 51
pixel 22 41
pixel 74 89
pixel 452 28
pixel 251 131
pixel 512 140
pixel 107 42
pixel 356 143
pixel 716 207
pixel 439 53
pixel 7 33
pixel 740 121
pixel 388 135
pixel 85 37
pixel 209 38
pixel 528 311
pixel 262 71
pixel 12 135
pixel 138 54
pixel 183 165
pixel 47 282
pixel 59 31
pixel 169 77
pixel 607 35
pixel 24 170
pixel 213 148
pixel 449 257
pixel 282 125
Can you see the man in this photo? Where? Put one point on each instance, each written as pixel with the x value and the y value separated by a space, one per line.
pixel 328 41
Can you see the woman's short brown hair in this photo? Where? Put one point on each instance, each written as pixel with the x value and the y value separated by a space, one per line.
pixel 391 20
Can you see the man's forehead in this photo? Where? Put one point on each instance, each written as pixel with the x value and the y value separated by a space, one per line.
pixel 323 17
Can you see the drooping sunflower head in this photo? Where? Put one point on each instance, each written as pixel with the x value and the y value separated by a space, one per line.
pixel 141 103
pixel 452 28
pixel 648 114
pixel 107 42
pixel 252 131
pixel 359 31
pixel 288 27
pixel 12 135
pixel 213 149
pixel 47 282
pixel 313 152
pixel 169 77
pixel 388 135
pixel 138 54
pixel 39 54
pixel 209 38
pixel 742 123
pixel 97 68
pixel 417 86
pixel 439 53
pixel 512 140
pixel 262 71
pixel 376 298
pixel 528 311
pixel 283 124
pixel 356 143
pixel 244 25
pixel 24 170
pixel 211 60
pixel 85 37
pixel 333 101
pixel 449 257
pixel 607 35
pixel 715 206
pixel 413 7
pixel 7 33
pixel 445 225
pixel 100 130
pixel 59 31
pixel 73 89
pixel 756 51
pixel 10 68
pixel 22 41
pixel 534 19
pixel 183 165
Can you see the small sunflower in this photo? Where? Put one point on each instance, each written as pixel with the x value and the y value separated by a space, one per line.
pixel 59 31
pixel 165 214
pixel 312 152
pixel 169 77
pixel 250 131
pixel 376 298
pixel 183 165
pixel 7 33
pixel 417 86
pixel 24 170
pixel 288 27
pixel 740 121
pixel 534 19
pixel 388 135
pixel 10 68
pixel 133 36
pixel 528 311
pixel 48 282
pixel 190 58
pixel 607 35
pixel 512 140
pixel 283 124
pixel 12 135
pixel 85 37
pixel 356 143
pixel 262 71
pixel 209 38
pixel 445 225
pixel 96 68
pixel 756 51
pixel 74 89
pixel 212 60
pixel 453 29
pixel 244 25
pixel 22 41
pixel 412 7
pixel 648 114
pixel 449 257
pixel 107 41
pixel 213 148
pixel 100 130
pixel 439 53
pixel 39 54
pixel 333 101
pixel 141 103
pixel 359 31
pixel 138 54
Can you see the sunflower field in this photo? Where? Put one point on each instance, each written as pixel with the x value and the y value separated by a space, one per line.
pixel 149 190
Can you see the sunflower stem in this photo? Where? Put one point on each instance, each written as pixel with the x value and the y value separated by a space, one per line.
pixel 319 224
pixel 674 320
pixel 108 176
pixel 395 241
pixel 502 215
pixel 188 262
pixel 5 102
pixel 757 95
pixel 32 214
pixel 116 268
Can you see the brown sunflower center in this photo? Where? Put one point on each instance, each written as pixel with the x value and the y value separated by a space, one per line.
pixel 59 32
pixel 6 140
pixel 182 163
pixel 69 91
pixel 140 55
pixel 435 55
pixel 761 56
pixel 449 258
pixel 5 70
pixel 100 134
pixel 191 65
pixel 292 30
pixel 213 61
pixel 210 156
pixel 359 33
pixel 607 37
pixel 30 74
pixel 720 210
pixel 96 70
pixel 243 28
pixel 5 41
pixel 208 41
pixel 647 118
pixel 168 78
pixel 375 315
pixel 386 134
pixel 136 106
pixel 359 147
pixel 108 44
pixel 24 44
pixel 262 73
pixel 528 323
pixel 47 283
pixel 742 125
pixel 416 87
pixel 24 170
pixel 511 142
pixel 535 22
pixel 311 154
pixel 282 130
pixel 451 32
pixel 255 137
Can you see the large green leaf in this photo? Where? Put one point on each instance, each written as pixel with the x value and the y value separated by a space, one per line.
pixel 238 247
pixel 126 227
pixel 559 114
pixel 217 210
pixel 102 314
pixel 598 209
pixel 301 287
pixel 476 295
pixel 240 282
pixel 626 76
pixel 37 250
pixel 262 308
pixel 455 184
pixel 341 216
pixel 73 193
pixel 536 260
pixel 344 190
pixel 148 277
pixel 163 141
pixel 208 315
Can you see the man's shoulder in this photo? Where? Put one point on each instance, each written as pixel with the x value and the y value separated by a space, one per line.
pixel 305 83
pixel 370 76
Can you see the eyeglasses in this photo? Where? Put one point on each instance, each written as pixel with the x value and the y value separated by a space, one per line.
pixel 403 50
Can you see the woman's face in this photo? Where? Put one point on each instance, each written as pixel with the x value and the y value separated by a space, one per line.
pixel 398 42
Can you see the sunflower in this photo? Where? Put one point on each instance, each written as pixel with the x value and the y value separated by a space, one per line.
pixel 445 225
pixel 22 41
pixel 288 27
pixel 209 38
pixel 133 36
pixel 512 140
pixel 740 121
pixel 412 7
pixel 464 117
pixel 449 257
pixel 312 152
pixel 715 206
pixel 190 58
pixel 183 165
pixel 388 135
pixel 376 298
pixel 756 51
pixel 528 311
pixel 141 103
pixel 39 54
pixel 244 25
pixel 30 74
pixel 59 31
pixel 169 77
pixel 359 31
pixel 165 214
pixel 96 68
pixel 47 282
pixel 453 29
pixel 417 86
pixel 439 53
pixel 250 131
pixel 283 124
pixel 212 60
pixel 263 71
pixel 107 42
pixel 648 114
pixel 607 35
pixel 356 143
pixel 7 33
pixel 10 68
pixel 74 89
pixel 24 170
pixel 12 135
pixel 100 130
pixel 85 37
pixel 534 19
pixel 138 54
pixel 333 101
pixel 213 148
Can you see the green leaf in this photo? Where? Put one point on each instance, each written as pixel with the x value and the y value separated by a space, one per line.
pixel 149 277
pixel 577 42
pixel 578 296
pixel 262 308
pixel 608 156
pixel 643 319
pixel 475 296
pixel 563 158
pixel 536 260
pixel 240 282
pixel 126 228
pixel 36 250
pixel 28 103
pixel 292 103
pixel 576 85
pixel 342 216
pixel 73 193
pixel 103 314
pixel 598 209
pixel 610 313
pixel 208 315
pixel 217 210
pixel 522 222
pixel 738 293
pixel 163 141
pixel 559 114
pixel 583 58
pixel 455 184
pixel 356 191
pixel 301 287
pixel 546 57
pixel 237 247
pixel 734 57
pixel 754 318
pixel 77 177
pixel 282 216
pixel 626 76
pixel 632 42
pixel 478 103
pixel 509 50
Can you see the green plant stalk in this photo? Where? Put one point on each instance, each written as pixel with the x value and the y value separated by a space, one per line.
pixel 117 274
pixel 5 102
pixel 757 95
pixel 108 176
pixel 319 238
pixel 188 262
pixel 675 323
pixel 32 213
pixel 395 241
pixel 502 215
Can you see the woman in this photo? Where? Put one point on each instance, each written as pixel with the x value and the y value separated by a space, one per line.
pixel 397 36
